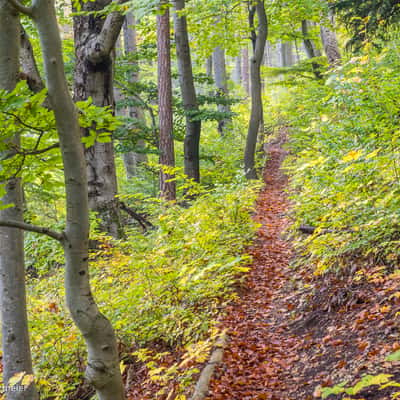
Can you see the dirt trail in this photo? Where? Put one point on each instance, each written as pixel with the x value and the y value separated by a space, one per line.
pixel 260 353
pixel 292 332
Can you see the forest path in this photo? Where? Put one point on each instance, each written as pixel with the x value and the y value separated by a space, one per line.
pixel 261 348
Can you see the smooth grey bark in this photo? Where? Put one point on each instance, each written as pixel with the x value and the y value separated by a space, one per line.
pixel 221 82
pixel 103 370
pixel 132 160
pixel 14 320
pixel 165 116
pixel 193 126
pixel 330 42
pixel 95 38
pixel 287 54
pixel 209 67
pixel 258 39
pixel 245 70
pixel 237 72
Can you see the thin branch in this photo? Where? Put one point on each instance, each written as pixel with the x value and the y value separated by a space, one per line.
pixel 37 152
pixel 21 8
pixel 144 223
pixel 33 228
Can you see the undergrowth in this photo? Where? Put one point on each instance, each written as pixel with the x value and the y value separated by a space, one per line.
pixel 163 287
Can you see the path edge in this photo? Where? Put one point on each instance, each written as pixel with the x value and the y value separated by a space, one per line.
pixel 203 384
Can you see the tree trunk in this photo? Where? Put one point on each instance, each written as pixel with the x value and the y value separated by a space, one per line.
pixel 287 54
pixel 311 49
pixel 330 42
pixel 133 159
pixel 209 67
pixel 103 370
pixel 256 116
pixel 237 73
pixel 93 77
pixel 221 83
pixel 245 70
pixel 14 321
pixel 193 125
pixel 167 155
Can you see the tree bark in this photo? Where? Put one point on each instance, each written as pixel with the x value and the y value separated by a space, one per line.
pixel 245 70
pixel 237 73
pixel 132 160
pixel 103 370
pixel 95 38
pixel 166 147
pixel 221 82
pixel 193 126
pixel 311 49
pixel 14 320
pixel 256 116
pixel 330 42
pixel 287 54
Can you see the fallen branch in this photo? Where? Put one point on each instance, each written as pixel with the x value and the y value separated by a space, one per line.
pixel 144 223
pixel 309 230
pixel 203 384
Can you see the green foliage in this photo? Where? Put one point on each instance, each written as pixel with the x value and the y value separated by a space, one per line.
pixel 382 381
pixel 344 171
pixel 167 286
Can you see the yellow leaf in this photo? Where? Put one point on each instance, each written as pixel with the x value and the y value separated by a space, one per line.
pixel 352 155
pixel 373 154
pixel 27 380
pixel 16 378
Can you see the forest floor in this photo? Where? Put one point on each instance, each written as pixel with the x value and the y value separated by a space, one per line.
pixel 292 333
pixel 287 340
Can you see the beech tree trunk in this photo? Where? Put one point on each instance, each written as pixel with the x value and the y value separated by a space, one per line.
pixel 14 321
pixel 132 160
pixel 256 116
pixel 166 147
pixel 221 82
pixel 193 125
pixel 330 42
pixel 103 370
pixel 245 70
pixel 237 74
pixel 95 38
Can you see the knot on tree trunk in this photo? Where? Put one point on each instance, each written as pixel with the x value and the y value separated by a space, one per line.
pixel 99 374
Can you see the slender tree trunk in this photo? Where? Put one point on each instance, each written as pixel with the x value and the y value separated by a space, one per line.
pixel 103 370
pixel 330 42
pixel 132 160
pixel 245 70
pixel 167 155
pixel 14 321
pixel 287 54
pixel 237 75
pixel 256 116
pixel 209 67
pixel 193 125
pixel 93 78
pixel 221 82
pixel 311 49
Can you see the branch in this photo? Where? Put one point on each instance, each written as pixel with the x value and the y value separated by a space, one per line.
pixel 33 228
pixel 103 43
pixel 28 63
pixel 21 8
pixel 39 151
pixel 139 218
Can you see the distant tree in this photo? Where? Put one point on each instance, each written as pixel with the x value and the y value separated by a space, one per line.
pixel 258 38
pixel 166 147
pixel 189 97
